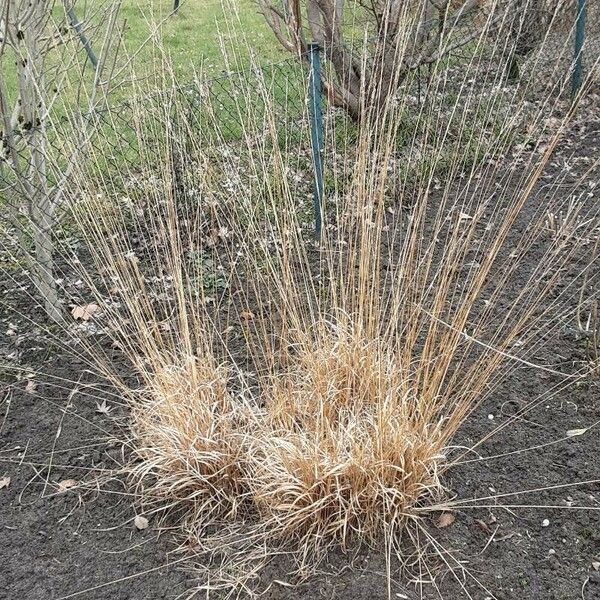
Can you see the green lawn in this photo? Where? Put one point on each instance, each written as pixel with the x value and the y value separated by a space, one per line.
pixel 194 39
pixel 195 35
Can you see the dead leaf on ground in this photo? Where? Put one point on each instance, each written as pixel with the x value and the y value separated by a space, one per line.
pixel 596 565
pixel 31 387
pixel 575 432
pixel 103 408
pixel 247 315
pixel 140 522
pixel 66 484
pixel 85 312
pixel 553 123
pixel 445 520
pixel 483 526
pixel 4 482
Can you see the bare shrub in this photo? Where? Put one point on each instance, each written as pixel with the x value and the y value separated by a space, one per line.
pixel 39 53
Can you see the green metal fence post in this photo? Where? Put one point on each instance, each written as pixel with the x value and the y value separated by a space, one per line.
pixel 316 129
pixel 579 41
pixel 76 25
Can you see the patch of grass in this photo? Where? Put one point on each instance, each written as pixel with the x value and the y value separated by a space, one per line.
pixel 363 355
pixel 195 36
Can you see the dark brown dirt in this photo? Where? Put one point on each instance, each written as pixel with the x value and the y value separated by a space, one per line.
pixel 83 543
pixel 55 544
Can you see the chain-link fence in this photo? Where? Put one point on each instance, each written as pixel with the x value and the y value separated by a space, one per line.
pixel 535 50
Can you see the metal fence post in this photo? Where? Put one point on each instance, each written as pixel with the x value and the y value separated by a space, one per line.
pixel 579 41
pixel 316 129
pixel 76 25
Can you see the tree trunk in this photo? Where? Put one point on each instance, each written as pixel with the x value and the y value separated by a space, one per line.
pixel 40 204
pixel 43 264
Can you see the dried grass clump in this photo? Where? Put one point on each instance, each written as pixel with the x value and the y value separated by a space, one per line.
pixel 188 434
pixel 342 453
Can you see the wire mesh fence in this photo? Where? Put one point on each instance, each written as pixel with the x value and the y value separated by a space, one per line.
pixel 272 101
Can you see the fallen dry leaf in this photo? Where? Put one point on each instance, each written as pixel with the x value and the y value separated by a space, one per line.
pixel 31 387
pixel 247 315
pixel 103 408
pixel 4 482
pixel 575 432
pixel 553 123
pixel 596 566
pixel 65 484
pixel 140 522
pixel 483 526
pixel 446 519
pixel 85 312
